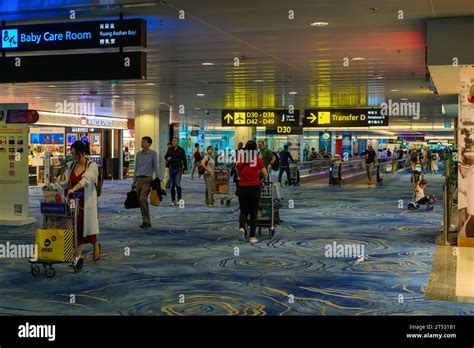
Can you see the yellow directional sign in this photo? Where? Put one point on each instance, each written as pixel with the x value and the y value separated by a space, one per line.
pixel 228 118
pixel 313 118
pixel 239 118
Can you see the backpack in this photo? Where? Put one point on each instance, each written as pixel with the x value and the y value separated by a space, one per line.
pixel 100 178
pixel 197 156
pixel 201 170
pixel 276 164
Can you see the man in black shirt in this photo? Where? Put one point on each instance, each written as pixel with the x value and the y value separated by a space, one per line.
pixel 285 157
pixel 176 160
pixel 370 156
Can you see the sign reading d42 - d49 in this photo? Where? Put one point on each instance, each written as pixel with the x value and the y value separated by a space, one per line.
pixel 267 118
pixel 347 118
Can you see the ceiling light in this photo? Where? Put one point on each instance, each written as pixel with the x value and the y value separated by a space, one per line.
pixel 150 84
pixel 378 77
pixel 115 96
pixel 200 94
pixel 394 90
pixel 37 97
pixel 403 99
pixel 319 24
pixel 52 86
pixel 358 58
pixel 259 81
pixel 207 64
pixel 293 93
pixel 197 108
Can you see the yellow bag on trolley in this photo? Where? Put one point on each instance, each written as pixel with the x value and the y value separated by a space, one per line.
pixel 55 244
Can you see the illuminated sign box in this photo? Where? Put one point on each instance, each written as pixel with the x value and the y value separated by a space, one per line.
pixel 284 130
pixel 101 66
pixel 345 118
pixel 74 35
pixel 253 118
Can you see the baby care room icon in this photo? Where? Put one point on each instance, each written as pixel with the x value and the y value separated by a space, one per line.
pixel 9 38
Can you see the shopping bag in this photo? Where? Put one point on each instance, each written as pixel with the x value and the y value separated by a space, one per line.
pixel 55 244
pixel 154 198
pixel 131 202
pixel 166 178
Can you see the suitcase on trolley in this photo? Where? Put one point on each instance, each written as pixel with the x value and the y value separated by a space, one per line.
pixel 268 215
pixel 57 241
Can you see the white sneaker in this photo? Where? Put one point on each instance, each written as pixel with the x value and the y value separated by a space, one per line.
pixel 242 233
pixel 173 204
pixel 253 240
pixel 180 202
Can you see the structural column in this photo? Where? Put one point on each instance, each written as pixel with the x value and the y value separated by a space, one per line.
pixel 244 134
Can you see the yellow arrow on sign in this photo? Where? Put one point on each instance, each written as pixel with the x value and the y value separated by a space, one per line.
pixel 313 118
pixel 228 117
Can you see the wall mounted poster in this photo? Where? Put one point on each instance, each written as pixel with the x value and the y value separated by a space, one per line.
pixel 466 155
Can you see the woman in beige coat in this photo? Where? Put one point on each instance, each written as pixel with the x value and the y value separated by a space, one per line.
pixel 82 176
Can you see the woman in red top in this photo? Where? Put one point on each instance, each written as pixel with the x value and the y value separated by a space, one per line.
pixel 249 166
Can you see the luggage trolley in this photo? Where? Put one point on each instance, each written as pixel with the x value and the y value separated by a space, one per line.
pixel 58 216
pixel 294 179
pixel 221 185
pixel 269 209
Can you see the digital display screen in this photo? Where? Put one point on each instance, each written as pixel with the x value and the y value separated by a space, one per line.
pixel 74 35
pixel 47 139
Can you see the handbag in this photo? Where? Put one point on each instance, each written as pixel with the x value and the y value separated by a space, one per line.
pixel 154 198
pixel 202 169
pixel 131 202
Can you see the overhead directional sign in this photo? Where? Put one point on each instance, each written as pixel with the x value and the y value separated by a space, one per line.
pixel 251 118
pixel 73 35
pixel 284 130
pixel 346 118
pixel 101 66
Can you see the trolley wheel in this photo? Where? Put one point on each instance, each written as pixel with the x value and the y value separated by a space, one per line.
pixel 227 202
pixel 271 232
pixel 49 272
pixel 35 270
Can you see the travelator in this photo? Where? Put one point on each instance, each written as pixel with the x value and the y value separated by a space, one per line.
pixel 338 172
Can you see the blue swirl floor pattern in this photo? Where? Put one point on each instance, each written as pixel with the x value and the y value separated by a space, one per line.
pixel 186 264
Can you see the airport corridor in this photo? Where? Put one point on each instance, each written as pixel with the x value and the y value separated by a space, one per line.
pixel 188 264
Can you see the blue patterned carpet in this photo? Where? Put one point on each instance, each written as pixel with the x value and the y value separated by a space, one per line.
pixel 190 252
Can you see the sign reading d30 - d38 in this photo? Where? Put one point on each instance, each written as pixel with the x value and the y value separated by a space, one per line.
pixel 252 118
pixel 347 118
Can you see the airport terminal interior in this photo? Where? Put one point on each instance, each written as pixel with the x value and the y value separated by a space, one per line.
pixel 361 113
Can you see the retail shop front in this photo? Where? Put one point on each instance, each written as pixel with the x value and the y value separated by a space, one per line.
pixel 54 134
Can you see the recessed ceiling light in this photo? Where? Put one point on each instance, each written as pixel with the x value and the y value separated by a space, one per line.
pixel 378 77
pixel 115 96
pixel 207 64
pixel 37 97
pixel 403 99
pixel 394 90
pixel 358 58
pixel 197 108
pixel 259 81
pixel 319 24
pixel 150 84
pixel 162 103
pixel 52 86
pixel 293 93
pixel 200 94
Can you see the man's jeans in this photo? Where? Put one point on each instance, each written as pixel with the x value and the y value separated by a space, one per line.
pixel 175 182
